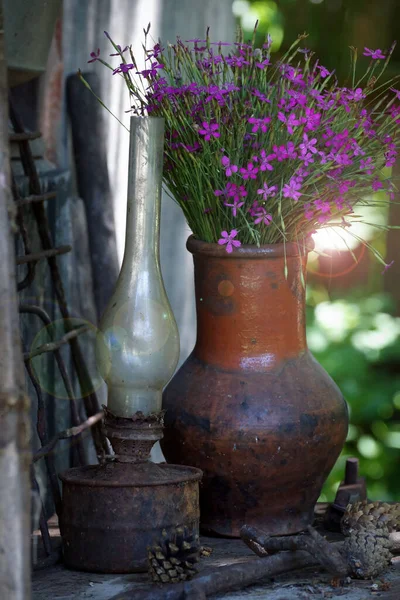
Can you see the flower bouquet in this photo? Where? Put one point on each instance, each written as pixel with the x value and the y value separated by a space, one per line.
pixel 259 154
pixel 262 151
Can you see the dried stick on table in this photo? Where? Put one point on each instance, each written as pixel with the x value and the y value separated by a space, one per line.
pixel 316 545
pixel 223 578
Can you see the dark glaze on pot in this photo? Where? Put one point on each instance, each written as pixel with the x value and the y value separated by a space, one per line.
pixel 251 407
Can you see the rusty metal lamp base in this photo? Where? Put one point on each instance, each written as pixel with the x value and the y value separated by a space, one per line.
pixel 112 512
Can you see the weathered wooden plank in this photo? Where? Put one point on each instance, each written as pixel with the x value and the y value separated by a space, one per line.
pixel 14 403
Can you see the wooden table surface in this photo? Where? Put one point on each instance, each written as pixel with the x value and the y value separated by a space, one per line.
pixel 58 583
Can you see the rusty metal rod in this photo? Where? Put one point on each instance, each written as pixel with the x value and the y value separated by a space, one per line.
pixel 36 256
pixel 44 529
pixel 52 346
pixel 31 267
pixel 35 198
pixel 223 578
pixel 76 420
pixel 49 561
pixel 24 136
pixel 41 427
pixel 92 405
pixel 66 434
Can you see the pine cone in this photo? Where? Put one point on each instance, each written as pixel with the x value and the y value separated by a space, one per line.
pixel 371 515
pixel 172 559
pixel 367 552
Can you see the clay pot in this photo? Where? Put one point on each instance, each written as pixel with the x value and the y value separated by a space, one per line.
pixel 251 407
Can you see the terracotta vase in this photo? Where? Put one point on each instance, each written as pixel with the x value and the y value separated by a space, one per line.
pixel 251 407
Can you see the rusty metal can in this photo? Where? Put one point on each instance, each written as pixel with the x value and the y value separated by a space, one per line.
pixel 113 512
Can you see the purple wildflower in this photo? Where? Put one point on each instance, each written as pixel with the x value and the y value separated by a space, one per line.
pixel 377 185
pixel 386 267
pixel 262 217
pixel 229 168
pixel 307 159
pixel 250 172
pixel 308 212
pixel 366 165
pixel 342 158
pixel 280 152
pixel 311 119
pixel 357 151
pixel 216 93
pixel 224 192
pixel 397 92
pixel 232 191
pixel 240 191
pixel 209 129
pixel 344 186
pixel 300 174
pixel 290 121
pixel 236 204
pixel 228 239
pixel 374 54
pixel 264 164
pixel 120 51
pixel 254 208
pixel 323 71
pixel 123 68
pixel 307 145
pixel 282 104
pixel 196 146
pixel 293 75
pixel 259 124
pixel 152 72
pixel 291 190
pixel 268 42
pixel 323 157
pixel 157 50
pixel 390 157
pixel 95 56
pixel 297 98
pixel 267 191
pixel 263 64
pixel 291 151
pixel 356 95
pixel 236 61
pixel 323 206
pixel 260 96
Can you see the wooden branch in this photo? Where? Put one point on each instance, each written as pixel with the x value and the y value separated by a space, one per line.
pixel 67 433
pixel 325 553
pixel 223 579
pixel 53 346
pixel 35 257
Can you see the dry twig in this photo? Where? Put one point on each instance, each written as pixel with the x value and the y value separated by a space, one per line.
pixel 67 433
pixel 316 545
